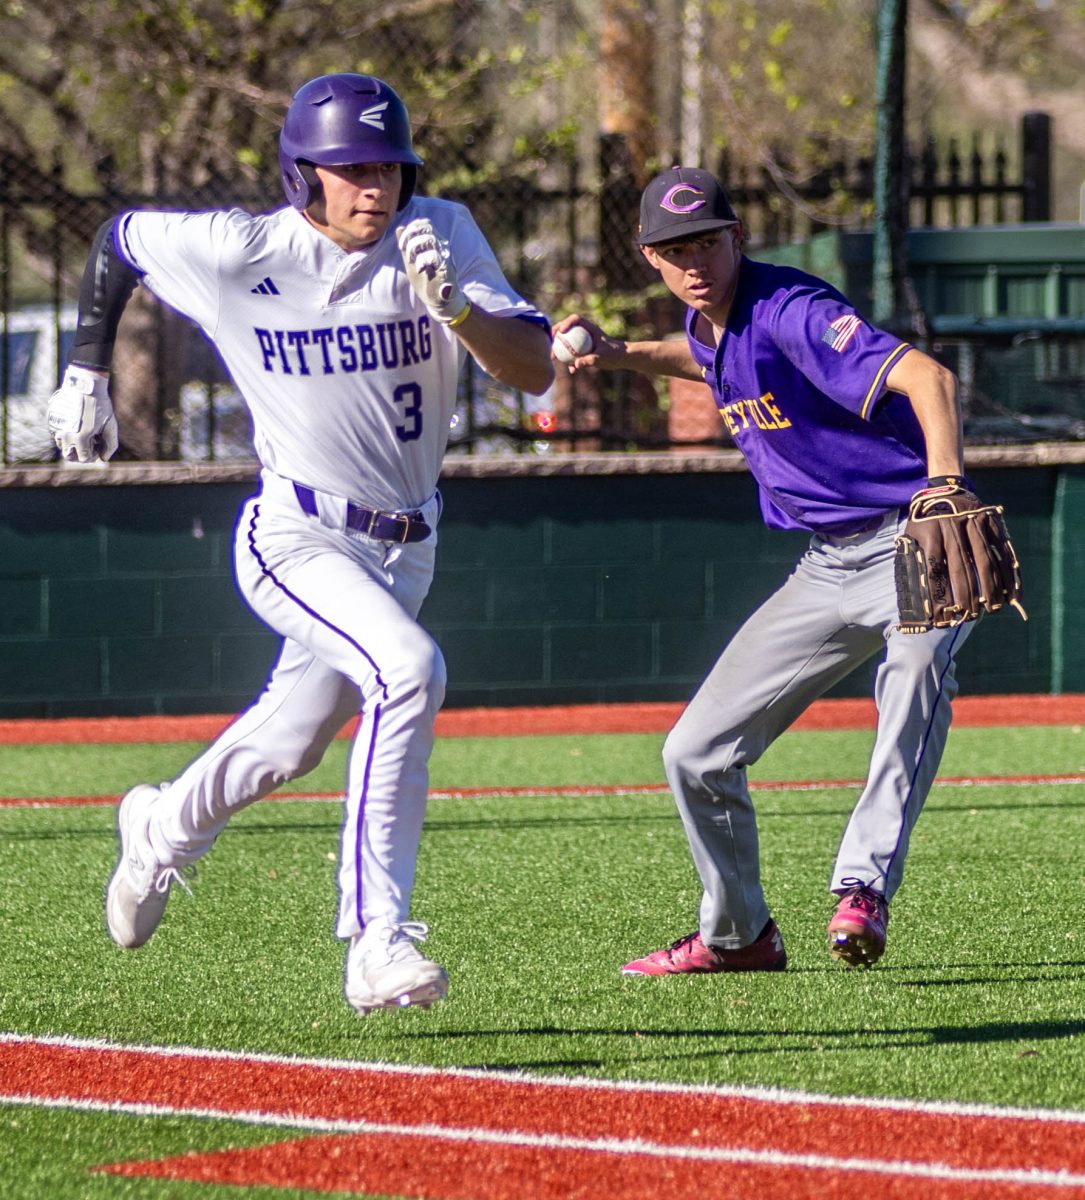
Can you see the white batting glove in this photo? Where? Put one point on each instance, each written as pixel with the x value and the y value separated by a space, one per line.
pixel 431 272
pixel 80 416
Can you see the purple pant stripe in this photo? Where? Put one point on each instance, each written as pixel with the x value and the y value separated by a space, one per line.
pixel 267 572
pixel 359 829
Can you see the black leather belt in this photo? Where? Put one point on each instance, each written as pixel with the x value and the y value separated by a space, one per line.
pixel 385 527
pixel 850 531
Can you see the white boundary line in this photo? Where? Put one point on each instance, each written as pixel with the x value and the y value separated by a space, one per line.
pixel 558 1142
pixel 522 1078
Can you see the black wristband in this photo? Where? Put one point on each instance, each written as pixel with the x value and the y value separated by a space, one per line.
pixel 959 481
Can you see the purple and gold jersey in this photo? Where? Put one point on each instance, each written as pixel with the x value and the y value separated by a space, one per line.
pixel 799 380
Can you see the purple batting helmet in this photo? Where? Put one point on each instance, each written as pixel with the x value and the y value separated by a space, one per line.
pixel 336 120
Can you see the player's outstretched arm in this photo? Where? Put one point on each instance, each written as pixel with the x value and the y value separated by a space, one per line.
pixel 512 350
pixel 954 558
pixel 671 358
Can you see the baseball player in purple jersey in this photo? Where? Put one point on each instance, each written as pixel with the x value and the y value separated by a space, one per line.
pixel 840 423
pixel 344 319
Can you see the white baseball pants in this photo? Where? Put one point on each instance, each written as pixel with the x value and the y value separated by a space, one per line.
pixel 346 607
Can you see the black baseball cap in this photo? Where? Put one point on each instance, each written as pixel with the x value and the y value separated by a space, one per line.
pixel 680 203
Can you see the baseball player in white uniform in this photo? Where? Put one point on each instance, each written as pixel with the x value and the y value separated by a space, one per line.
pixel 344 319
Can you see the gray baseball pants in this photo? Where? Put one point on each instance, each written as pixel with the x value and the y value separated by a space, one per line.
pixel 836 610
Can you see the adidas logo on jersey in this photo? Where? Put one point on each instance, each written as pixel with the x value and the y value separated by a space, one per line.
pixel 265 287
pixel 374 115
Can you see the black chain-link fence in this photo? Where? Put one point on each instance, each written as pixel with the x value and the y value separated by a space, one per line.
pixel 178 106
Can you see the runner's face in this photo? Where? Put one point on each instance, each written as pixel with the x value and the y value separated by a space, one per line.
pixel 356 203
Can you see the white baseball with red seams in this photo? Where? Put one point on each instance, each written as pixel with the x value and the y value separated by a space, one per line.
pixel 573 343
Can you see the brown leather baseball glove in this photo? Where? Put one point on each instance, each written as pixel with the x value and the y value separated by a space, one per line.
pixel 954 559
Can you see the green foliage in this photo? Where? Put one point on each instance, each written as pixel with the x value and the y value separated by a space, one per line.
pixel 211 80
pixel 619 314
pixel 1008 33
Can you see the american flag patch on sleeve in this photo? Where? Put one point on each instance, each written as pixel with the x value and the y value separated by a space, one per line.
pixel 841 331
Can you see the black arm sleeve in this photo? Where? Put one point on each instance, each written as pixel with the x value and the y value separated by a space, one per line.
pixel 107 286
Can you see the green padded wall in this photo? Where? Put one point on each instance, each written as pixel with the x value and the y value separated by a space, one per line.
pixel 1068 582
pixel 120 600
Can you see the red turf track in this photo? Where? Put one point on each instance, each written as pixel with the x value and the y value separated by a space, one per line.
pixel 431 1162
pixel 582 718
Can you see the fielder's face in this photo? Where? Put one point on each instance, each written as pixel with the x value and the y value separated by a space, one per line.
pixel 702 270
pixel 356 203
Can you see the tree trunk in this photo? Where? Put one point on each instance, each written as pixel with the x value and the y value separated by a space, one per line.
pixel 627 102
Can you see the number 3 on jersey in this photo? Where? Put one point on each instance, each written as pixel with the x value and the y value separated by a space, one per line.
pixel 410 396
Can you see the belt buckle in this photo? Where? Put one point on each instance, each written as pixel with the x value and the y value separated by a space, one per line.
pixel 401 522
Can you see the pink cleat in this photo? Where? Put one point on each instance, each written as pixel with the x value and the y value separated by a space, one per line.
pixel 857 927
pixel 689 955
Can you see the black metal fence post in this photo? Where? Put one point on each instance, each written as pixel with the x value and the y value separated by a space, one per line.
pixel 1036 166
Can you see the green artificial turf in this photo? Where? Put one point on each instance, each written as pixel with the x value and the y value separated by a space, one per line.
pixel 87 1141
pixel 534 904
pixel 551 761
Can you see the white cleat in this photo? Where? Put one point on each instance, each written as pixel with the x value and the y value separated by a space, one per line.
pixel 136 897
pixel 385 969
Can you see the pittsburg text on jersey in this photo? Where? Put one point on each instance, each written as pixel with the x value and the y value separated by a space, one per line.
pixel 346 349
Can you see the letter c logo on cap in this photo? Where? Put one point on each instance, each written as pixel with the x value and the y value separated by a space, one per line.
pixel 672 203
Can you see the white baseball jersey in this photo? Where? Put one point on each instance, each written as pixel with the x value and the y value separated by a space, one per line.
pixel 350 382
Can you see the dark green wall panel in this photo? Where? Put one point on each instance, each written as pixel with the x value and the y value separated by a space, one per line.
pixel 81 605
pixel 195 603
pixel 52 553
pixel 465 599
pixel 42 671
pixel 136 665
pixel 549 589
pixel 490 655
pixel 1068 581
pixel 643 591
pixel 619 651
pixel 246 658
pixel 187 548
pixel 22 606
pixel 688 648
pixel 536 593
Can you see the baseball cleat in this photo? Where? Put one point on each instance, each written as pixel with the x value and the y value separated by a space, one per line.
pixel 857 926
pixel 137 893
pixel 385 969
pixel 690 955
